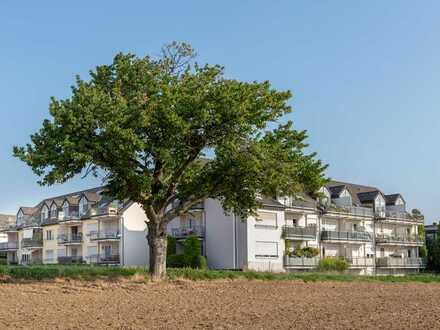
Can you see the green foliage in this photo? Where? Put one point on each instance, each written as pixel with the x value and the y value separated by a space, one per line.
pixel 171 245
pixel 202 263
pixel 306 252
pixel 3 261
pixel 58 271
pixel 423 251
pixel 203 275
pixel 144 124
pixel 330 264
pixel 192 251
pixel 176 261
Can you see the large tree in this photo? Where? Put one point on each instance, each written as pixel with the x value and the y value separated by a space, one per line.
pixel 148 126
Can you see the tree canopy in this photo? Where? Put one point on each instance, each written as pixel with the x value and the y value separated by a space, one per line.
pixel 167 131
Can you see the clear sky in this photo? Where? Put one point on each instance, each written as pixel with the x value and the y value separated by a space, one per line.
pixel 365 76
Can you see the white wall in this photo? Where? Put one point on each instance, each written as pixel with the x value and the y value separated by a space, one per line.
pixel 220 236
pixel 258 235
pixel 134 244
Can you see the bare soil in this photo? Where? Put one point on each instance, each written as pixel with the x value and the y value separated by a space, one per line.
pixel 236 304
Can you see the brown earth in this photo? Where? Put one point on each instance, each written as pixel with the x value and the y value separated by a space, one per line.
pixel 220 305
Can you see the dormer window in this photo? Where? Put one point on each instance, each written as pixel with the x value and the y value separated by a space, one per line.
pixel 53 211
pixel 20 217
pixel 44 213
pixel 66 209
pixel 83 206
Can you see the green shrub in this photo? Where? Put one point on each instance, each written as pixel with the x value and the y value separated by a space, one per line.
pixel 202 264
pixel 330 264
pixel 176 261
pixel 192 252
pixel 171 245
pixel 3 261
pixel 34 272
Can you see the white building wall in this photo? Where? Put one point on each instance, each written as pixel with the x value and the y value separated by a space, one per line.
pixel 258 235
pixel 220 237
pixel 134 244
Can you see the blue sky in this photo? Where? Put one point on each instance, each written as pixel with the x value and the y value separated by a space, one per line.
pixel 365 76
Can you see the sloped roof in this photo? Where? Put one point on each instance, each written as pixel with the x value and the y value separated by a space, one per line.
pixel 6 220
pixel 392 198
pixel 355 190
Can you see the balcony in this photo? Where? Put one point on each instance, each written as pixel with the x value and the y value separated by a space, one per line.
pixel 394 262
pixel 344 236
pixel 296 232
pixel 184 232
pixel 350 210
pixel 300 262
pixel 73 217
pixel 70 260
pixel 411 240
pixel 359 262
pixel 9 246
pixel 36 242
pixel 105 235
pixel 70 239
pixel 104 259
pixel 401 216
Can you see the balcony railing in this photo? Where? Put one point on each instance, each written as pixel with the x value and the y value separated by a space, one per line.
pixel 32 242
pixel 327 235
pixel 394 262
pixel 70 259
pixel 301 262
pixel 404 239
pixel 70 238
pixel 9 246
pixel 72 216
pixel 103 259
pixel 352 210
pixel 197 230
pixel 400 215
pixel 299 232
pixel 355 262
pixel 104 235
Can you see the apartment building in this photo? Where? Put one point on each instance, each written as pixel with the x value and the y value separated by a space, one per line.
pixel 372 231
pixel 81 227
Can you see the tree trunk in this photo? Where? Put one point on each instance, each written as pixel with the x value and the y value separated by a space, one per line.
pixel 157 240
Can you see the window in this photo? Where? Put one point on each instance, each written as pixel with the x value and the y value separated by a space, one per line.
pixel 83 206
pixel 61 252
pixel 92 228
pixel 44 213
pixel 66 209
pixel 266 249
pixel 409 253
pixel 266 219
pixel 49 255
pixel 20 217
pixel 49 235
pixel 53 211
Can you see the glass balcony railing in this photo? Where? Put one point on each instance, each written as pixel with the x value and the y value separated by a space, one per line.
pixel 105 235
pixel 32 242
pixel 194 230
pixel 399 239
pixel 328 235
pixel 70 238
pixel 301 262
pixel 293 232
pixel 8 246
pixel 395 262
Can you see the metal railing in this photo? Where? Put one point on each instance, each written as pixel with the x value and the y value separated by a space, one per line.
pixel 70 238
pixel 70 259
pixel 103 259
pixel 352 210
pixel 401 215
pixel 404 239
pixel 327 235
pixel 195 230
pixel 72 216
pixel 32 242
pixel 301 262
pixel 299 232
pixel 400 262
pixel 359 262
pixel 104 235
pixel 9 246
